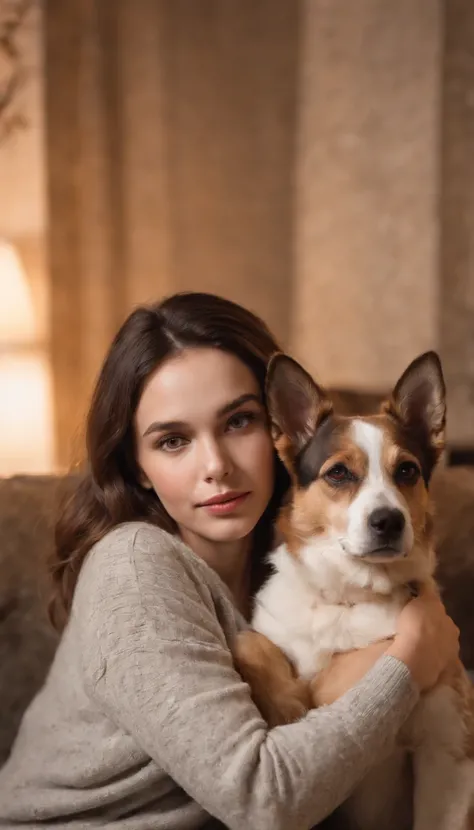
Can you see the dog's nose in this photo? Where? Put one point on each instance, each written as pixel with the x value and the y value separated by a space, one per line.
pixel 387 523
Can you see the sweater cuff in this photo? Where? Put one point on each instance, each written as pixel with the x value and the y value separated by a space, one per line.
pixel 377 707
pixel 387 693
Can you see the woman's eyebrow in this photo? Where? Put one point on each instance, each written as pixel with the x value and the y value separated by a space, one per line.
pixel 229 407
pixel 165 426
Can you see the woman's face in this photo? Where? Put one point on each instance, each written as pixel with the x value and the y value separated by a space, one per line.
pixel 204 446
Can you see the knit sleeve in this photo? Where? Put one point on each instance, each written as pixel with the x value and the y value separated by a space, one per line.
pixel 166 675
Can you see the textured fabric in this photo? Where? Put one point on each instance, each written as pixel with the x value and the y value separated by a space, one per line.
pixel 144 724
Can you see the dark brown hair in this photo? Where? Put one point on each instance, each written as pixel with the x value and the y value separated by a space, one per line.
pixel 109 491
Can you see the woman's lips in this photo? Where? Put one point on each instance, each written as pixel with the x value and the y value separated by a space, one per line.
pixel 224 504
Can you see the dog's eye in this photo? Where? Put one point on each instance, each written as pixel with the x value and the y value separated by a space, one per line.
pixel 338 474
pixel 407 473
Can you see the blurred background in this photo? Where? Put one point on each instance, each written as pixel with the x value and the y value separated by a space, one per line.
pixel 311 159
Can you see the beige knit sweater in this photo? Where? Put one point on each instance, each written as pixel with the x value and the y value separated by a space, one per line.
pixel 143 723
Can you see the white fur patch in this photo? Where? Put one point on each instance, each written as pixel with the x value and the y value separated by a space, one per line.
pixel 377 491
pixel 310 624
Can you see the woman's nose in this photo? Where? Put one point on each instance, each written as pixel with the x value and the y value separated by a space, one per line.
pixel 217 461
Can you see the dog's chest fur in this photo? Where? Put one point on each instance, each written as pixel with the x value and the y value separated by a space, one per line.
pixel 310 623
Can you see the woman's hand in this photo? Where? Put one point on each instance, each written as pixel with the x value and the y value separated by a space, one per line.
pixel 427 640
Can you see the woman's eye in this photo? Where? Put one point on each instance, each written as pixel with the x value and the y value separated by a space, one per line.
pixel 172 443
pixel 407 473
pixel 339 474
pixel 241 420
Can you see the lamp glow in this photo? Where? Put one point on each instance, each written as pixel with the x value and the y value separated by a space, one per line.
pixel 26 418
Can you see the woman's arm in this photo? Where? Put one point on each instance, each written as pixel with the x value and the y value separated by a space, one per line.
pixel 157 660
pixel 344 671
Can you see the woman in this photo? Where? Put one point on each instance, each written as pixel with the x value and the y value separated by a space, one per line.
pixel 143 721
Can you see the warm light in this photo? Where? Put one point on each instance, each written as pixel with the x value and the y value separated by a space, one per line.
pixel 26 422
pixel 17 316
pixel 26 440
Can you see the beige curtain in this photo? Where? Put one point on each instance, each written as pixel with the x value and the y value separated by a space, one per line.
pixel 310 159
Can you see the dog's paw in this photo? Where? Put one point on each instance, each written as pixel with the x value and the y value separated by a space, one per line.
pixel 280 696
pixel 284 710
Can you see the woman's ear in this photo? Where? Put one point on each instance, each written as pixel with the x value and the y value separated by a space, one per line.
pixel 144 481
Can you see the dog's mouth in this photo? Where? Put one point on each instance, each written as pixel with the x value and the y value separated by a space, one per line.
pixel 383 554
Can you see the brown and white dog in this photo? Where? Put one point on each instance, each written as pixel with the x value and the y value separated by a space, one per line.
pixel 358 542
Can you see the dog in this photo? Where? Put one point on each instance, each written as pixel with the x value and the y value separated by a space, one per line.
pixel 357 544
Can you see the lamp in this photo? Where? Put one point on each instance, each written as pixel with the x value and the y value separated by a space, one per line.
pixel 26 423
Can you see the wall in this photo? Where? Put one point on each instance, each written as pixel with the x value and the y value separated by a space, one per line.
pixel 310 159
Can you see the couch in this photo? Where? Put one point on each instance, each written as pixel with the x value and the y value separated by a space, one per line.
pixel 27 641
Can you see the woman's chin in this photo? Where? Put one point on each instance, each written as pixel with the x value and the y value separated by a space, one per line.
pixel 228 530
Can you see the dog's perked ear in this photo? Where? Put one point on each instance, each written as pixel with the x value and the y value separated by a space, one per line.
pixel 296 404
pixel 418 401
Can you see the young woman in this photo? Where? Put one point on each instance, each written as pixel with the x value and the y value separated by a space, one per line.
pixel 143 721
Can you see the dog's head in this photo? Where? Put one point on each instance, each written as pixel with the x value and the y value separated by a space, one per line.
pixel 360 485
